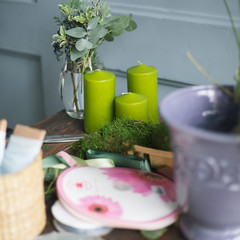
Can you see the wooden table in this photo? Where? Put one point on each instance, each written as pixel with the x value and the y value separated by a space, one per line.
pixel 61 123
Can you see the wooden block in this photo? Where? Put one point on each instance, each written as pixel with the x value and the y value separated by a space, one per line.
pixel 157 158
pixel 166 171
pixel 29 132
pixel 3 125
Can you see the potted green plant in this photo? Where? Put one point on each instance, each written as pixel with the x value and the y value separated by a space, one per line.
pixel 82 29
pixel 204 125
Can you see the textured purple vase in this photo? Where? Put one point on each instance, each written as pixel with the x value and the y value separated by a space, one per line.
pixel 206 161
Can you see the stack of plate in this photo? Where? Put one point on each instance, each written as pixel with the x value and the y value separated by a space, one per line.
pixel 92 200
pixel 65 236
pixel 66 222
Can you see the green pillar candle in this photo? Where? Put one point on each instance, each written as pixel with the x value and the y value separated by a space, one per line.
pixel 131 106
pixel 143 79
pixel 99 95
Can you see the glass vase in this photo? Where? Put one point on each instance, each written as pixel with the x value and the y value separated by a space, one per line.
pixel 72 86
pixel 72 94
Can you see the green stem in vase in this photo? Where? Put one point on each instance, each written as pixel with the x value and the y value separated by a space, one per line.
pixel 82 29
pixel 84 64
pixel 75 102
pixel 90 63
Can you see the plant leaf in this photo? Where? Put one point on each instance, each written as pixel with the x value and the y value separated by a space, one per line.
pixel 117 29
pixel 80 18
pixel 64 9
pixel 75 54
pixel 77 32
pixel 62 31
pixel 103 32
pixel 89 13
pixel 124 20
pixel 108 21
pixel 132 26
pixel 83 44
pixel 105 10
pixel 93 35
pixel 62 44
pixel 97 33
pixel 93 23
pixel 70 18
pixel 58 37
pixel 109 37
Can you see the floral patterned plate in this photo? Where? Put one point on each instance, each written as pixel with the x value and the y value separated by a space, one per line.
pixel 118 197
pixel 66 222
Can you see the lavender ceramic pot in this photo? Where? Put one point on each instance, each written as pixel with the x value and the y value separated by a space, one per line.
pixel 206 161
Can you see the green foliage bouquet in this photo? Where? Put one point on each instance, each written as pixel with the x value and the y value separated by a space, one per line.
pixel 83 28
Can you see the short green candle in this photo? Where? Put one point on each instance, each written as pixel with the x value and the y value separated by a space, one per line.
pixel 131 106
pixel 143 79
pixel 99 95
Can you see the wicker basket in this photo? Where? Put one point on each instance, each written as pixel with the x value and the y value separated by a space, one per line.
pixel 22 205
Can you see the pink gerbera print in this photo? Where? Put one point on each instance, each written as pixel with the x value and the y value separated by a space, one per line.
pixel 100 206
pixel 143 182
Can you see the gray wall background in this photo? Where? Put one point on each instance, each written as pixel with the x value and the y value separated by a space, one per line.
pixel 29 71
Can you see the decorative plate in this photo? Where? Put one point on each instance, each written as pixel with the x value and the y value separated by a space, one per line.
pixel 64 221
pixel 118 197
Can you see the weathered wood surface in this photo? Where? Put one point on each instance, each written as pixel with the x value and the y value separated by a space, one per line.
pixel 157 158
pixel 60 124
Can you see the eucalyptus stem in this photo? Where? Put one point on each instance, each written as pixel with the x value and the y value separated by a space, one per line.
pixel 82 75
pixel 83 26
pixel 75 102
pixel 90 64
pixel 81 79
pixel 86 62
pixel 90 61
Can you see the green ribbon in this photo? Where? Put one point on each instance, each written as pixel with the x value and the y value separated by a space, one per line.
pixel 53 161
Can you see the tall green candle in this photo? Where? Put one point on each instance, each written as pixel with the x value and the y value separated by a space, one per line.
pixel 131 106
pixel 99 95
pixel 143 79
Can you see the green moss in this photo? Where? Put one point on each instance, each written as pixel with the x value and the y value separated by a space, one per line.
pixel 121 135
